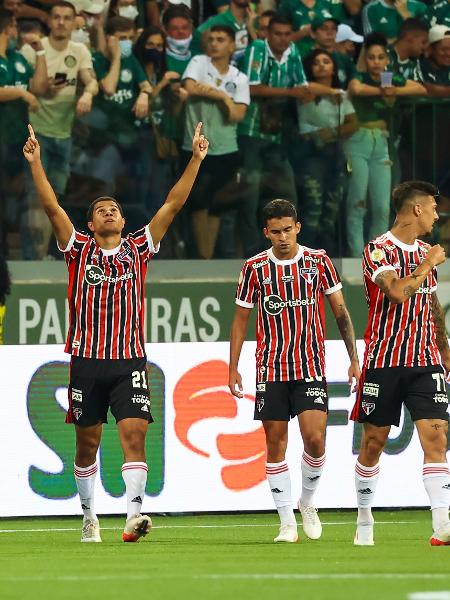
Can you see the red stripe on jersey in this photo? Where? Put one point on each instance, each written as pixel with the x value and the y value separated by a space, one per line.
pixel 106 297
pixel 398 334
pixel 290 321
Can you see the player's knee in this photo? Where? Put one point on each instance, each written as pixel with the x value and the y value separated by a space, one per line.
pixel 133 441
pixel 373 446
pixel 314 443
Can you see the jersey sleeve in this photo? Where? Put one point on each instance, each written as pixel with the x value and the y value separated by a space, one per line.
pixel 247 292
pixel 77 240
pixel 253 64
pixel 85 59
pixel 195 69
pixel 242 95
pixel 331 282
pixel 142 240
pixel 375 261
pixel 299 73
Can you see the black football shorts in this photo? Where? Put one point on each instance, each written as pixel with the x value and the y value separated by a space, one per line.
pixel 99 384
pixel 283 400
pixel 382 392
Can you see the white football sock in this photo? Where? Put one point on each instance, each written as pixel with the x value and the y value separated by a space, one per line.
pixel 311 471
pixel 366 479
pixel 436 479
pixel 85 480
pixel 135 476
pixel 280 486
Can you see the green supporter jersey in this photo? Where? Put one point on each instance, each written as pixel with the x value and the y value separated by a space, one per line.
pixel 431 74
pixel 262 68
pixel 338 10
pixel 300 15
pixel 406 68
pixel 177 64
pixel 227 18
pixel 383 18
pixel 118 107
pixel 438 13
pixel 346 68
pixel 374 108
pixel 15 71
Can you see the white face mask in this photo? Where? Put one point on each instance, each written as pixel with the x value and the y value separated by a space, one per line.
pixel 81 36
pixel 178 47
pixel 89 21
pixel 129 12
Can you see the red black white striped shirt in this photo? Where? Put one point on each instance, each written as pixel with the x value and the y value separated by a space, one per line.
pixel 398 335
pixel 106 296
pixel 290 326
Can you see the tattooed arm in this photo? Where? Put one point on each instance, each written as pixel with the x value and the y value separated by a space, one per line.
pixel 399 290
pixel 441 334
pixel 344 322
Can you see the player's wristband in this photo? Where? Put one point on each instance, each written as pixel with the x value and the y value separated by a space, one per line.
pixel 40 52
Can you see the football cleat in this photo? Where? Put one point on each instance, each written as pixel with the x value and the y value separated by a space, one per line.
pixel 288 533
pixel 441 537
pixel 90 531
pixel 136 527
pixel 364 534
pixel 310 521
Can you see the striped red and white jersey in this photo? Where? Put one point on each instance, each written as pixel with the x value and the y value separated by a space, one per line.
pixel 398 335
pixel 106 296
pixel 290 326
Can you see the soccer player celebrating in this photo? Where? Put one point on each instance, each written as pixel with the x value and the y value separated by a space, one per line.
pixel 106 332
pixel 406 346
pixel 289 282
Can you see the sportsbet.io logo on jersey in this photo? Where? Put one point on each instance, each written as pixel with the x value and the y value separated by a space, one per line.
pixel 95 275
pixel 273 304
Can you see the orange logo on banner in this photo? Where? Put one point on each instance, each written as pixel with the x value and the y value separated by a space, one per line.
pixel 202 393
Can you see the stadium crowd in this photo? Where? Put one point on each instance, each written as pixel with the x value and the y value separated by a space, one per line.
pixel 327 103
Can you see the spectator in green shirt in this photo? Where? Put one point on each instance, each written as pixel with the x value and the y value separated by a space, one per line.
pixel 386 16
pixel 240 18
pixel 177 23
pixel 434 70
pixel 19 85
pixel 404 54
pixel 124 95
pixel 438 13
pixel 302 13
pixel 373 95
pixel 262 23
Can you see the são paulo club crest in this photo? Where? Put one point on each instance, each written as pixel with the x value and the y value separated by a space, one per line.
pixel 309 273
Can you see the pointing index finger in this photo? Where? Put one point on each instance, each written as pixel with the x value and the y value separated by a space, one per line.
pixel 32 135
pixel 198 129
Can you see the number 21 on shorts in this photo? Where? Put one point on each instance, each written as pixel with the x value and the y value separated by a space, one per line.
pixel 139 379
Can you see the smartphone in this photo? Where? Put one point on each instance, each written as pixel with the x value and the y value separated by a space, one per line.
pixel 386 78
pixel 60 77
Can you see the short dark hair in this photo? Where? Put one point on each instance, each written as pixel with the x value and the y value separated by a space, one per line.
pixel 268 13
pixel 225 29
pixel 412 25
pixel 63 4
pixel 375 39
pixel 90 211
pixel 409 189
pixel 277 20
pixel 176 11
pixel 277 209
pixel 116 24
pixel 6 19
pixel 308 64
pixel 30 25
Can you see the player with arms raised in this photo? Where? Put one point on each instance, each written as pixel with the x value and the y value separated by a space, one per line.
pixel 288 282
pixel 406 346
pixel 106 331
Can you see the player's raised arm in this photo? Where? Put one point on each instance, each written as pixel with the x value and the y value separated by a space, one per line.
pixel 238 331
pixel 441 333
pixel 62 226
pixel 344 322
pixel 181 190
pixel 399 290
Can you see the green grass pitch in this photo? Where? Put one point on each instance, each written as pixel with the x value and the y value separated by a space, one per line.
pixel 221 557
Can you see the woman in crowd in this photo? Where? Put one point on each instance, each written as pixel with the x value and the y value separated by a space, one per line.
pixel 373 94
pixel 324 123
pixel 159 153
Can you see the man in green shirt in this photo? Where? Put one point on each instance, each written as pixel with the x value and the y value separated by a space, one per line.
pixel 124 95
pixel 177 23
pixel 386 16
pixel 18 85
pixel 404 54
pixel 301 14
pixel 239 18
pixel 435 70
pixel 324 31
pixel 275 73
pixel 438 13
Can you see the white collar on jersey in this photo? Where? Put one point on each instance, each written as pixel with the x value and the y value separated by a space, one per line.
pixel 402 245
pixel 111 251
pixel 289 261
